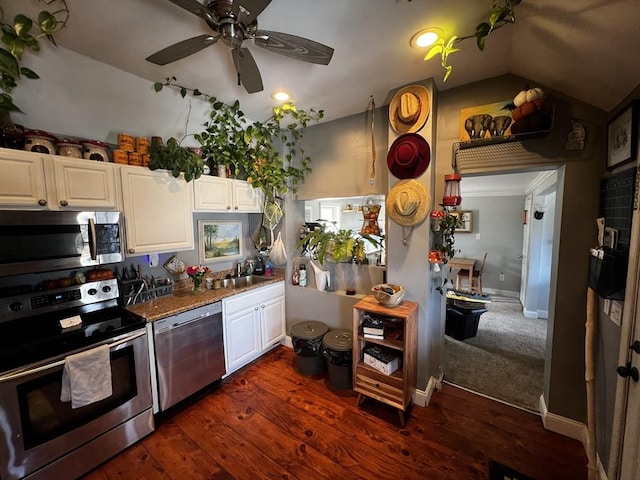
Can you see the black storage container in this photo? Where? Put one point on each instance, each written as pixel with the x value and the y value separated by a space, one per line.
pixel 306 338
pixel 462 323
pixel 338 350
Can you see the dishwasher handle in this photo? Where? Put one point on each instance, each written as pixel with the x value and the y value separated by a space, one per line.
pixel 186 318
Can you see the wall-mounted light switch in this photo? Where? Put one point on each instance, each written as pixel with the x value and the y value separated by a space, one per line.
pixel 477 236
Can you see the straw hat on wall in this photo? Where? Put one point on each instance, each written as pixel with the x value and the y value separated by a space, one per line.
pixel 408 203
pixel 409 109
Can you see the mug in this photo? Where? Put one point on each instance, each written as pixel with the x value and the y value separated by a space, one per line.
pixel 209 283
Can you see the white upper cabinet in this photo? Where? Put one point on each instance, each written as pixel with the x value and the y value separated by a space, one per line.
pixel 38 181
pixel 218 194
pixel 85 183
pixel 158 211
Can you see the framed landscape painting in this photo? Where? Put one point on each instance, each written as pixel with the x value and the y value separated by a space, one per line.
pixel 219 241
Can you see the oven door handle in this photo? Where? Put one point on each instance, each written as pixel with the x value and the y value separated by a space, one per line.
pixel 24 373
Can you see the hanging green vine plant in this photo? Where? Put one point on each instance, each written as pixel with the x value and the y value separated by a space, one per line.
pixel 253 150
pixel 502 13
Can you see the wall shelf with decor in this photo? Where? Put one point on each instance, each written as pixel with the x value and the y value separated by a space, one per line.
pixel 501 151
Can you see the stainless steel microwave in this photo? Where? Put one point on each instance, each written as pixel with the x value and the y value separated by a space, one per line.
pixel 43 241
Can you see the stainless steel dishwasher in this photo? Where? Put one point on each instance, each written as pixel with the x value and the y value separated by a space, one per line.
pixel 189 351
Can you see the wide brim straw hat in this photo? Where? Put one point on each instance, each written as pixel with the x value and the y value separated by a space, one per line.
pixel 408 203
pixel 409 156
pixel 409 109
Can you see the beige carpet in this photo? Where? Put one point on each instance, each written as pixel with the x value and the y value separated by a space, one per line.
pixel 505 360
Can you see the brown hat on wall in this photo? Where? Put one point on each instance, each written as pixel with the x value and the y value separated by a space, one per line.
pixel 409 156
pixel 409 109
pixel 408 203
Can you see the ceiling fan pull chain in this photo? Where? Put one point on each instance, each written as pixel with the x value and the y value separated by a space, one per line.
pixel 373 141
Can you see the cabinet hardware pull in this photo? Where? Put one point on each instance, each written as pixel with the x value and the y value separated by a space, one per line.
pixel 236 207
pixel 228 207
pixel 132 250
pixel 42 202
pixel 64 203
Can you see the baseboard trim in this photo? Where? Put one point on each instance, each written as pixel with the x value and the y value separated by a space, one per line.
pixel 563 426
pixel 530 313
pixel 423 397
pixel 504 293
pixel 602 474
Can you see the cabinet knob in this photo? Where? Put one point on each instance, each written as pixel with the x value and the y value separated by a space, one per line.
pixel 236 207
pixel 228 207
pixel 261 306
pixel 255 308
pixel 42 202
pixel 132 250
pixel 64 203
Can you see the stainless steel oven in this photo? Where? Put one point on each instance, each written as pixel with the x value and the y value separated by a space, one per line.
pixel 41 241
pixel 43 436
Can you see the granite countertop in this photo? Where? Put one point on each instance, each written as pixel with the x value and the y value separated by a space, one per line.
pixel 183 300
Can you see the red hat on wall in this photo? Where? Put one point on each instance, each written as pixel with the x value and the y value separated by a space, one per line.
pixel 409 156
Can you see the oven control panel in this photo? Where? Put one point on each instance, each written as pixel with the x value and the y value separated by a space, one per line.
pixel 34 303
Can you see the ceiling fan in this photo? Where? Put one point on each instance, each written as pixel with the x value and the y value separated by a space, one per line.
pixel 234 21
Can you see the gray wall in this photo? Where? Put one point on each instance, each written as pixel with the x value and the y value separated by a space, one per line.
pixel 498 221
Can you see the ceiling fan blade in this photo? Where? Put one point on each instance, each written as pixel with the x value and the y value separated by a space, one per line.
pixel 248 73
pixel 293 46
pixel 192 6
pixel 254 7
pixel 182 49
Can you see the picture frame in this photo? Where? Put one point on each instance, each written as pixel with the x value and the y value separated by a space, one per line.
pixel 219 241
pixel 464 222
pixel 622 137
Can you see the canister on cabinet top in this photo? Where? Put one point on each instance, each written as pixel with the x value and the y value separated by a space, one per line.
pixel 125 142
pixel 142 145
pixel 121 157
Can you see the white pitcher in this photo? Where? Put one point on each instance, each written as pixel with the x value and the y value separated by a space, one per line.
pixel 322 276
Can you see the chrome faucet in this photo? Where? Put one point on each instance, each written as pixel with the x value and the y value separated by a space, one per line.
pixel 239 269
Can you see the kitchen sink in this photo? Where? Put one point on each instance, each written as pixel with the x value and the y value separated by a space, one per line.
pixel 240 282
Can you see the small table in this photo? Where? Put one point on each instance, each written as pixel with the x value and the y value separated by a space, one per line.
pixel 462 264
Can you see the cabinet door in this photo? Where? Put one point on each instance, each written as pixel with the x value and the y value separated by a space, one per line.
pixel 22 181
pixel 273 321
pixel 213 194
pixel 242 337
pixel 246 198
pixel 158 211
pixel 85 184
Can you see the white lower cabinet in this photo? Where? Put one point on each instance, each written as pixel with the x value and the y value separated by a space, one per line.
pixel 254 322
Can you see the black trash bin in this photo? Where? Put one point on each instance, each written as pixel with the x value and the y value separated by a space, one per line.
pixel 337 349
pixel 306 338
pixel 462 323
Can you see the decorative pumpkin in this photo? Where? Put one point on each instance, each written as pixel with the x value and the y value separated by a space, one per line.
pixel 528 95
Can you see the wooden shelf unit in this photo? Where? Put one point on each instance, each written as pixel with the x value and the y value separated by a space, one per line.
pixel 395 389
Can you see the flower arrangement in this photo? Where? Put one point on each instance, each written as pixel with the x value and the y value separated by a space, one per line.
pixel 197 273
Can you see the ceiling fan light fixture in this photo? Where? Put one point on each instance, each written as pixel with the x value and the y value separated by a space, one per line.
pixel 425 37
pixel 281 96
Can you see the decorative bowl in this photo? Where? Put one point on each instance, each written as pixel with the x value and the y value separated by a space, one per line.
pixel 388 294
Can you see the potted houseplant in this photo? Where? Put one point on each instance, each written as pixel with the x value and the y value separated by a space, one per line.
pixel 443 238
pixel 20 34
pixel 176 158
pixel 253 150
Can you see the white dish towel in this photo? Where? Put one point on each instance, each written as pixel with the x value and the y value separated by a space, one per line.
pixel 86 377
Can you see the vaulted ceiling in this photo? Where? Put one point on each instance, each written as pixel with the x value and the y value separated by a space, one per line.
pixel 587 49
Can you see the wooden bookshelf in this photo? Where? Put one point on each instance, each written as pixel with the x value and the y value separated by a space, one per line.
pixel 395 389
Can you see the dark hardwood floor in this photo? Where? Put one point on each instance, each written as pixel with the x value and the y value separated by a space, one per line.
pixel 266 421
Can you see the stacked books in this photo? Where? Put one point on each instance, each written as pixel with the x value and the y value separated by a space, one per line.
pixel 382 359
pixel 372 327
pixel 380 328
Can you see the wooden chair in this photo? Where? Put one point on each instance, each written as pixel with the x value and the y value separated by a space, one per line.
pixel 476 278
